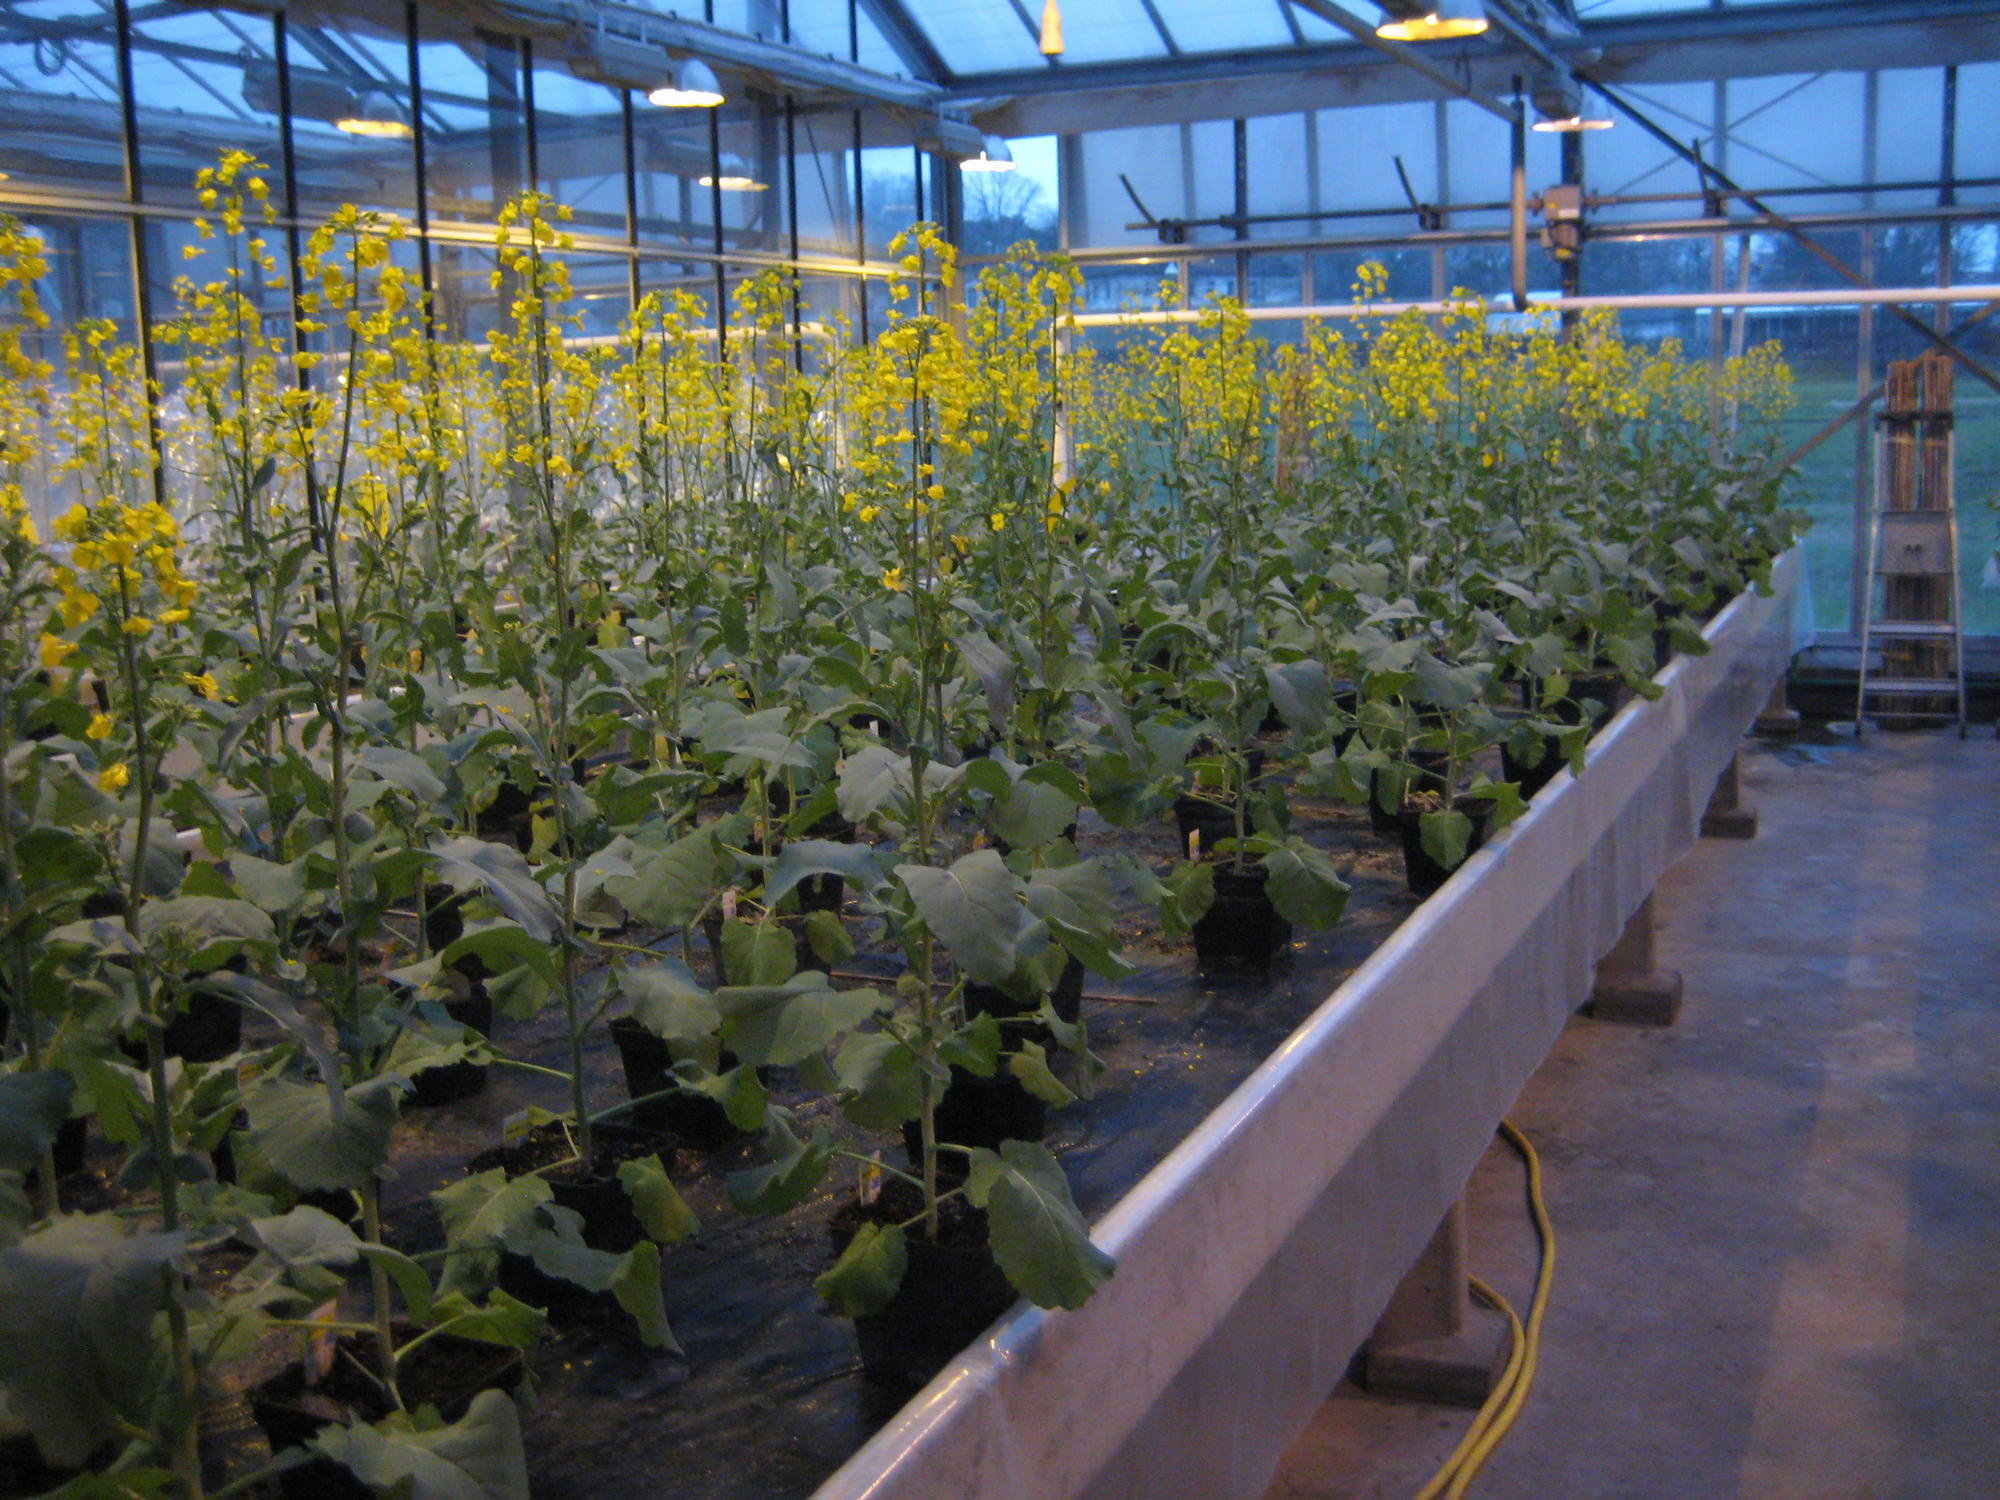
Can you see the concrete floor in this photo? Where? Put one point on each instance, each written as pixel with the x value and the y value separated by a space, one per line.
pixel 1777 1222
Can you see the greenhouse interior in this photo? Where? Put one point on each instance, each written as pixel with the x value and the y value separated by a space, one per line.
pixel 897 749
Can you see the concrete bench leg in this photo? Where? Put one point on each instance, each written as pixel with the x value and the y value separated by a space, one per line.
pixel 1728 815
pixel 1432 1343
pixel 1777 718
pixel 1631 987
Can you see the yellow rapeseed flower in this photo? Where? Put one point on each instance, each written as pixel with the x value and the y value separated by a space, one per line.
pixel 203 683
pixel 54 649
pixel 892 580
pixel 869 513
pixel 138 625
pixel 101 726
pixel 114 778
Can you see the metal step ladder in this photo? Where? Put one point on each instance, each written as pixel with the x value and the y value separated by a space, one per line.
pixel 1912 623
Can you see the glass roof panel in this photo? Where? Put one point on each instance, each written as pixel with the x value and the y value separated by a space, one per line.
pixel 1109 31
pixel 1603 10
pixel 877 51
pixel 1220 25
pixel 978 36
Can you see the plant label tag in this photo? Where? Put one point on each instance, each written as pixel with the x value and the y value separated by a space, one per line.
pixel 513 1127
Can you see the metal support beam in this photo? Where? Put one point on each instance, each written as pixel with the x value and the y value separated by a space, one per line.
pixel 1407 57
pixel 1778 221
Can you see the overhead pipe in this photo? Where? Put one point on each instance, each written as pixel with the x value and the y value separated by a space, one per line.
pixel 1517 204
pixel 1633 302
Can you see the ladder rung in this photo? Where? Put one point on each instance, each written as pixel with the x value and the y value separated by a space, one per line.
pixel 1924 685
pixel 1912 627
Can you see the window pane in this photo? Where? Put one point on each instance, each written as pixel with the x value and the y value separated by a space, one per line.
pixel 823 144
pixel 354 64
pixel 59 96
pixel 475 128
pixel 213 78
pixel 580 148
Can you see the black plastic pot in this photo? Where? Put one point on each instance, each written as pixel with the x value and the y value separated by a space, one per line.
pixel 693 1119
pixel 446 1372
pixel 1428 773
pixel 1066 997
pixel 979 1111
pixel 1532 778
pixel 1241 929
pixel 459 1080
pixel 1424 875
pixel 68 1146
pixel 1608 689
pixel 209 1028
pixel 951 1293
pixel 1214 821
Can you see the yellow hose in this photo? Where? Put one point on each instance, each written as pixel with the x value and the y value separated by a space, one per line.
pixel 1511 1390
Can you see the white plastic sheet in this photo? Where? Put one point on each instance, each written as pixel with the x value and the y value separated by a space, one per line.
pixel 1254 1260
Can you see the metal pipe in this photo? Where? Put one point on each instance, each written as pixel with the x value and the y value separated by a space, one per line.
pixel 1660 301
pixel 1517 204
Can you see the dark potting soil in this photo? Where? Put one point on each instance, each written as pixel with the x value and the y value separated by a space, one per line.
pixel 768 1398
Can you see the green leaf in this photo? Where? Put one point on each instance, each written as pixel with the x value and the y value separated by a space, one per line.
pixel 502 945
pixel 498 869
pixel 762 738
pixel 477 1458
pixel 1300 691
pixel 479 1213
pixel 1032 814
pixel 1078 904
pixel 1030 1067
pixel 666 1000
pixel 1445 834
pixel 213 929
pixel 974 908
pixel 636 1285
pixel 1190 891
pixel 77 1352
pixel 874 779
pixel 870 1270
pixel 669 886
pixel 305 1236
pixel 796 1169
pixel 405 769
pixel 996 671
pixel 757 953
pixel 803 858
pixel 501 1320
pixel 410 1278
pixel 827 936
pixel 315 1138
pixel 270 887
pixel 784 1026
pixel 880 1081
pixel 1304 885
pixel 33 1107
pixel 1033 1226
pixel 656 1201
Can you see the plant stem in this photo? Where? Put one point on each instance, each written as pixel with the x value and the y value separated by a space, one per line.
pixel 378 1287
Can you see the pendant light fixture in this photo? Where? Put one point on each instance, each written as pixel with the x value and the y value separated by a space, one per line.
pixel 1052 37
pixel 994 156
pixel 376 115
pixel 1450 18
pixel 693 86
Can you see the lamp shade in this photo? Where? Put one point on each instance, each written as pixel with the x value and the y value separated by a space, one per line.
pixel 993 157
pixel 1450 18
pixel 376 114
pixel 693 86
pixel 735 177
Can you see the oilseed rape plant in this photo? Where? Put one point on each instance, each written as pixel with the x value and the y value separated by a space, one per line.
pixel 494 654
